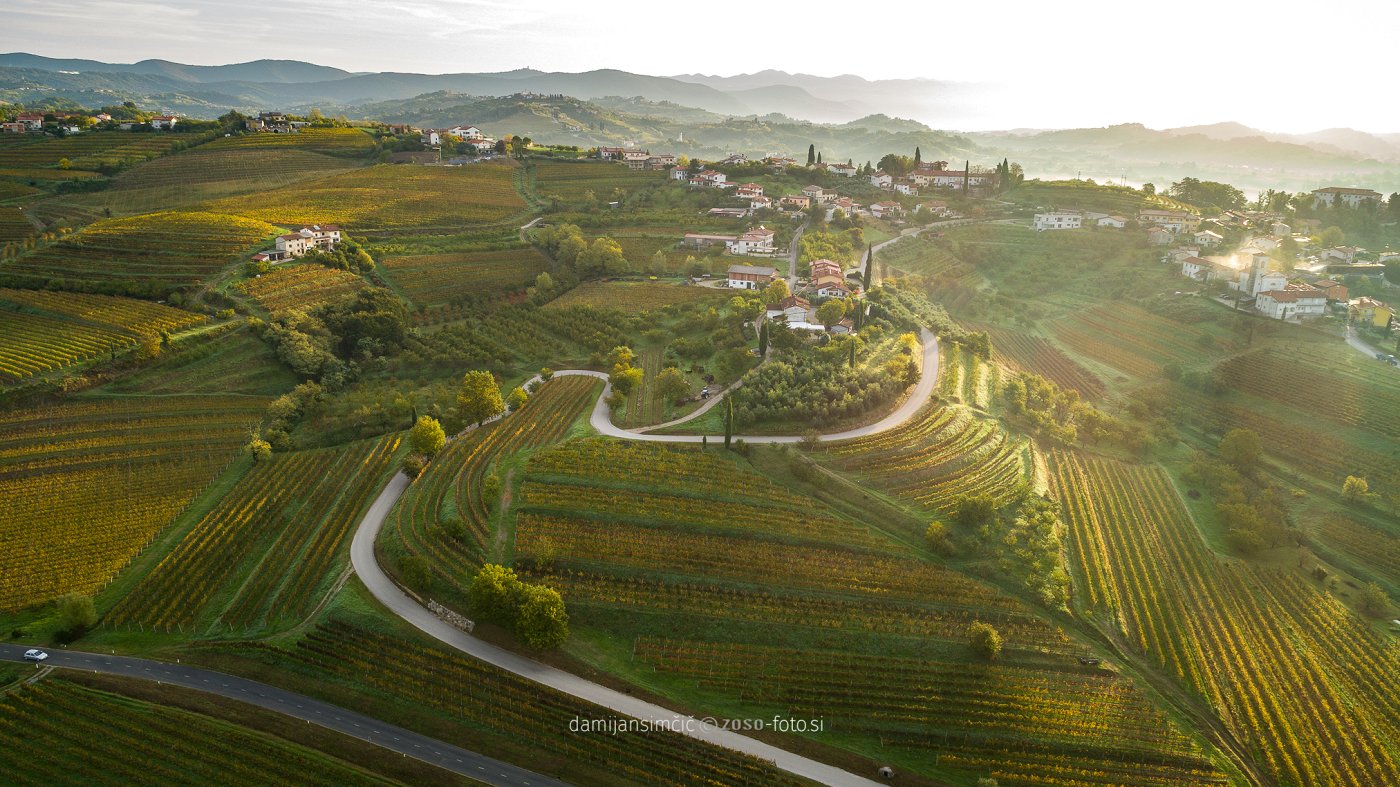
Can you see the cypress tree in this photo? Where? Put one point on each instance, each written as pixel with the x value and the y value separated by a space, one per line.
pixel 763 339
pixel 918 156
pixel 728 421
pixel 851 359
pixel 819 158
pixel 869 265
pixel 811 155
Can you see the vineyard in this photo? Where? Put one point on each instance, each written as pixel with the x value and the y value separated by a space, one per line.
pixel 925 257
pixel 1347 389
pixel 387 199
pixel 1024 352
pixel 452 484
pixel 941 454
pixel 1368 546
pixel 1066 726
pixel 88 151
pixel 229 362
pixel 35 344
pixel 501 339
pixel 433 279
pixel 140 318
pixel 1299 679
pixel 1135 341
pixel 14 225
pixel 485 703
pixel 151 251
pixel 634 297
pixel 259 558
pixel 572 181
pixel 305 287
pixel 964 378
pixel 52 730
pixel 104 476
pixel 347 142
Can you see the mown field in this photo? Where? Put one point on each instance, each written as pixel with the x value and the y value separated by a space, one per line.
pixel 142 254
pixel 1301 681
pixel 229 362
pixel 103 476
pixel 304 286
pixel 262 557
pixel 727 589
pixel 435 279
pixel 385 199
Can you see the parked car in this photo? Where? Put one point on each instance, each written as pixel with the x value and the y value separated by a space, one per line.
pixel 34 654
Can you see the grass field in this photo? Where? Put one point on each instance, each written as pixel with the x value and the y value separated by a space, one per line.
pixel 261 558
pixel 434 279
pixel 143 253
pixel 57 728
pixel 1296 676
pixel 634 297
pixel 301 286
pixel 571 181
pixel 205 173
pixel 104 476
pixel 388 199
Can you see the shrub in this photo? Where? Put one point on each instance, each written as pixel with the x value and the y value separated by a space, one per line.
pixel 76 612
pixel 416 573
pixel 985 640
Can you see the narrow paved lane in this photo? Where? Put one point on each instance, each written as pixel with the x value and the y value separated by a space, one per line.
pixel 356 725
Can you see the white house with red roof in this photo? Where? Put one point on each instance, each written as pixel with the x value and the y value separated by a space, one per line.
pixel 323 237
pixel 33 121
pixel 1295 301
pixel 164 121
pixel 956 179
pixel 886 209
pixel 881 179
pixel 748 191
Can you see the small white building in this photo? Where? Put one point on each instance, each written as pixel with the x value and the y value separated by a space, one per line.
pixel 164 122
pixel 1296 302
pixel 1117 222
pixel 887 210
pixel 1349 197
pixel 751 277
pixel 316 236
pixel 881 179
pixel 1058 220
pixel 844 170
pixel 1208 238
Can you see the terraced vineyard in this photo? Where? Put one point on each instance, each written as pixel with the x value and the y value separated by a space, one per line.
pixel 925 257
pixel 347 142
pixel 964 378
pixel 571 181
pixel 302 286
pixel 452 484
pixel 35 344
pixel 104 476
pixel 1042 726
pixel 433 279
pixel 484 702
pixel 1344 388
pixel 1295 676
pixel 54 729
pixel 89 151
pixel 259 558
pixel 388 199
pixel 141 318
pixel 1027 353
pixel 150 252
pixel 942 453
pixel 634 297
pixel 14 226
pixel 1135 341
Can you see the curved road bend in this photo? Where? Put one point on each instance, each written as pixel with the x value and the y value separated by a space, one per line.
pixel 398 602
pixel 356 725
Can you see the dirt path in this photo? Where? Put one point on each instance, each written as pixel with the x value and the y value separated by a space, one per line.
pixel 498 549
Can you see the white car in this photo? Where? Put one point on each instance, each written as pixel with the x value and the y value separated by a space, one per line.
pixel 34 654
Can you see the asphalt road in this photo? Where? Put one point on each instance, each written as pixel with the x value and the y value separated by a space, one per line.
pixel 356 725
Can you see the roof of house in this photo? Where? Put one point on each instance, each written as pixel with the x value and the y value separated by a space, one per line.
pixel 887 204
pixel 1212 234
pixel 1367 301
pixel 755 270
pixel 1344 190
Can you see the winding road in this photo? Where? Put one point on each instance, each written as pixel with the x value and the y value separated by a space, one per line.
pixel 356 725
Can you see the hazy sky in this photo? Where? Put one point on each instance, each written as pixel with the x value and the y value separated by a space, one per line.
pixel 1284 66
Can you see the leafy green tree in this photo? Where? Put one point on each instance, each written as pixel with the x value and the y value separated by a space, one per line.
pixel 1241 449
pixel 831 312
pixel 1355 489
pixel 76 612
pixel 671 385
pixel 985 640
pixel 541 620
pixel 416 573
pixel 426 437
pixel 1374 600
pixel 625 381
pixel 603 257
pixel 972 511
pixel 494 594
pixel 516 398
pixel 936 534
pixel 260 449
pixel 776 291
pixel 479 398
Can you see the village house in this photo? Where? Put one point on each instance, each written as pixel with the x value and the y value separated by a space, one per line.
pixel 680 173
pixel 1117 222
pixel 1171 220
pixel 1262 242
pixel 1349 197
pixel 32 121
pixel 751 277
pixel 906 187
pixel 431 137
pixel 734 159
pixel 1293 303
pixel 748 191
pixel 795 202
pixel 844 170
pixel 13 127
pixel 760 203
pixel 887 210
pixel 813 192
pixel 792 304
pixel 1159 236
pixel 1370 311
pixel 1280 230
pixel 661 161
pixel 164 121
pixel 1269 281
pixel 881 179
pixel 958 179
pixel 1345 254
pixel 1208 238
pixel 1387 256
pixel 758 240
pixel 846 205
pixel 1198 268
pixel 780 162
pixel 636 156
pixel 464 132
pixel 1058 220
pixel 323 237
pixel 609 153
pixel 1333 289
pixel 711 179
